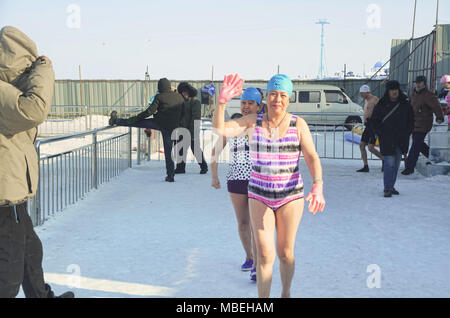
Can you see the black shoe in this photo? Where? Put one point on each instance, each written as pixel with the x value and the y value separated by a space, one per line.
pixel 204 170
pixel 68 294
pixel 51 294
pixel 365 169
pixel 387 193
pixel 180 171
pixel 407 172
pixel 395 192
pixel 113 118
pixel 170 179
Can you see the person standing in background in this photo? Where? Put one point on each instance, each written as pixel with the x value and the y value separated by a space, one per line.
pixel 424 104
pixel 192 113
pixel 368 137
pixel 445 81
pixel 393 122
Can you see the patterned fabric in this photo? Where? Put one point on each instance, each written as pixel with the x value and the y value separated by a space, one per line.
pixel 240 166
pixel 275 178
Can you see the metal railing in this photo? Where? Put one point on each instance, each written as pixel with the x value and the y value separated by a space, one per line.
pixel 67 119
pixel 86 160
pixel 68 173
pixel 332 141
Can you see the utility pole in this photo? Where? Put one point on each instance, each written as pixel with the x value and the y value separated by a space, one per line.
pixel 322 46
pixel 146 87
pixel 345 74
pixel 147 75
pixel 437 13
pixel 81 100
pixel 278 69
pixel 414 18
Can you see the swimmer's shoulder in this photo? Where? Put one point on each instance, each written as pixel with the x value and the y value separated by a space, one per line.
pixel 301 123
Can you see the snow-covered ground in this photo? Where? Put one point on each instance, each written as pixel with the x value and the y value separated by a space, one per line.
pixel 139 236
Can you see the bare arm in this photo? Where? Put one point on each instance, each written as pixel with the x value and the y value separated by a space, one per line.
pixel 218 147
pixel 309 150
pixel 232 128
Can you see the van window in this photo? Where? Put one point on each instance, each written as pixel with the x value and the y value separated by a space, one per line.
pixel 335 97
pixel 293 97
pixel 309 97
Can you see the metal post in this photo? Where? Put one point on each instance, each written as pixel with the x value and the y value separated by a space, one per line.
pixel 139 146
pixel 130 147
pixel 35 208
pixel 414 19
pixel 95 160
pixel 149 148
pixel 437 13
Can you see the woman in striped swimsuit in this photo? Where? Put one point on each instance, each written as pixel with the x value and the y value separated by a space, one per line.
pixel 239 170
pixel 275 188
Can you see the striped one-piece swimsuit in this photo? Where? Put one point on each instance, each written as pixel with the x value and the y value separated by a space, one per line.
pixel 275 179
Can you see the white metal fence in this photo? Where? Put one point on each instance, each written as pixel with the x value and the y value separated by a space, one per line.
pixel 72 165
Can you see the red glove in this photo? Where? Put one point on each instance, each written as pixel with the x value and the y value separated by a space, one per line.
pixel 44 58
pixel 232 87
pixel 316 199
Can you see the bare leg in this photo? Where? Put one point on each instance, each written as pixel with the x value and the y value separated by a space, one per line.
pixel 254 251
pixel 288 219
pixel 240 203
pixel 374 150
pixel 263 225
pixel 362 147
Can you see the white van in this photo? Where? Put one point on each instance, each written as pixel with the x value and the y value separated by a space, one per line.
pixel 317 104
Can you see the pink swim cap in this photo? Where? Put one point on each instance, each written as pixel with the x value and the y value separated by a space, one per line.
pixel 445 79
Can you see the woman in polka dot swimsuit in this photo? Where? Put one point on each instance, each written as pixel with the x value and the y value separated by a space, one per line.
pixel 238 176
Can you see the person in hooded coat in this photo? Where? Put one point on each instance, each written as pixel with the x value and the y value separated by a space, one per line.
pixel 393 122
pixel 26 91
pixel 166 109
pixel 192 114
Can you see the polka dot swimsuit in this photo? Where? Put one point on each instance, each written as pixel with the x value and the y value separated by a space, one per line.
pixel 240 166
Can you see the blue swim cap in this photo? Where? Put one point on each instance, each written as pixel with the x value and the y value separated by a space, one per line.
pixel 253 94
pixel 280 82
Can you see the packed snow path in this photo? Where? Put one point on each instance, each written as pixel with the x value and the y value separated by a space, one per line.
pixel 139 236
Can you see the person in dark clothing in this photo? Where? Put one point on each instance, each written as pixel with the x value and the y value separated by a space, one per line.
pixel 424 104
pixel 166 109
pixel 192 114
pixel 393 122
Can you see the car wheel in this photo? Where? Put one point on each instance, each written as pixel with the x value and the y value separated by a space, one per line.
pixel 351 122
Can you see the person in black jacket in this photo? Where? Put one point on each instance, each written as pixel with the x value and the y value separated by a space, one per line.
pixel 192 115
pixel 167 109
pixel 393 122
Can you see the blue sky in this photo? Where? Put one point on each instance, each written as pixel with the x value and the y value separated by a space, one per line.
pixel 183 39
